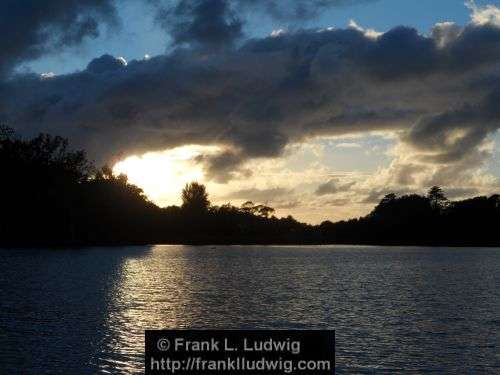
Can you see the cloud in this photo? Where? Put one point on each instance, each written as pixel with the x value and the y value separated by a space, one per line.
pixel 370 33
pixel 445 32
pixel 223 166
pixel 438 93
pixel 348 145
pixel 373 197
pixel 260 195
pixel 106 64
pixel 404 174
pixel 339 202
pixel 215 24
pixel 482 15
pixel 32 28
pixel 209 24
pixel 460 193
pixel 286 205
pixel 334 186
pixel 278 32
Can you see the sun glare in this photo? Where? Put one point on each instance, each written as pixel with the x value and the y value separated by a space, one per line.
pixel 162 175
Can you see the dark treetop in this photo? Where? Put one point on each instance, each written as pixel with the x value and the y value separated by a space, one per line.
pixel 51 195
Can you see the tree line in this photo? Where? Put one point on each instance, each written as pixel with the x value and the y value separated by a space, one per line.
pixel 51 195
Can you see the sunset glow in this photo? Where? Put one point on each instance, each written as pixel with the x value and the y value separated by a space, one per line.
pixel 162 175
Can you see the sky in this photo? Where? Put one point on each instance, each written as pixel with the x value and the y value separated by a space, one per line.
pixel 141 35
pixel 317 108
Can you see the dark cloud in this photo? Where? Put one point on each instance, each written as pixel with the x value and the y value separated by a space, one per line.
pixel 441 97
pixel 31 28
pixel 445 32
pixel 105 64
pixel 334 186
pixel 453 135
pixel 215 24
pixel 224 166
pixel 210 24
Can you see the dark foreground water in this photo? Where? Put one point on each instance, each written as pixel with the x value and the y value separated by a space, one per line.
pixel 401 310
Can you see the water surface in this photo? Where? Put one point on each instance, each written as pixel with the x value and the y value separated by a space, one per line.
pixel 410 310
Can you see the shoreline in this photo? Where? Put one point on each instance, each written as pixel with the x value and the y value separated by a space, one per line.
pixel 250 243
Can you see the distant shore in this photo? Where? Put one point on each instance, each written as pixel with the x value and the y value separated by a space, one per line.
pixel 241 243
pixel 53 196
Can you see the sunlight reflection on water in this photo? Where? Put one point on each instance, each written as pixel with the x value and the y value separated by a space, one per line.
pixel 394 309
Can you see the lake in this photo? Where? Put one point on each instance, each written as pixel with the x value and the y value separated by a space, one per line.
pixel 402 310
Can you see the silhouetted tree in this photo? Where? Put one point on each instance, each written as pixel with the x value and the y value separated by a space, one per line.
pixel 249 207
pixel 495 200
pixel 385 205
pixel 6 133
pixel 264 211
pixel 260 209
pixel 195 197
pixel 388 199
pixel 104 173
pixel 437 198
